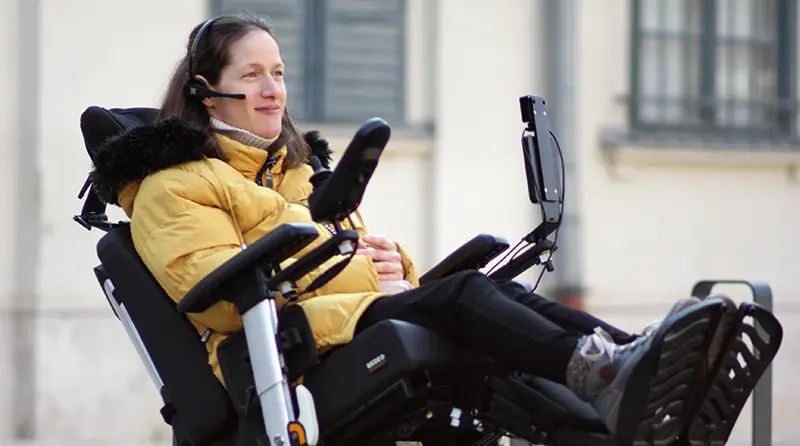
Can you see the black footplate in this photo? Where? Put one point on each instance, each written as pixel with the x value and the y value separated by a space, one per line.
pixel 547 412
pixel 752 343
pixel 682 364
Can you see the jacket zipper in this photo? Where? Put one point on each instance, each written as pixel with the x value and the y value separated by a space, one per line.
pixel 327 226
pixel 266 167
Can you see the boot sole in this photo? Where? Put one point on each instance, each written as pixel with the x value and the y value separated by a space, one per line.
pixel 656 399
pixel 720 339
pixel 750 345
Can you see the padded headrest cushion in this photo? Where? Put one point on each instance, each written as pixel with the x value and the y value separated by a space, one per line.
pixel 99 124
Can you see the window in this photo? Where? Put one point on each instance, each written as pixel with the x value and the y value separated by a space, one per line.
pixel 344 58
pixel 705 66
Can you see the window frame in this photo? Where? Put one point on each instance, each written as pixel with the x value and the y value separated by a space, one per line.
pixel 786 46
pixel 314 59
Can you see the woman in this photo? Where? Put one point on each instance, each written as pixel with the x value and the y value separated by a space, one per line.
pixel 216 173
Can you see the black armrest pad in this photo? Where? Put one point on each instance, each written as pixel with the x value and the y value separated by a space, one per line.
pixel 474 254
pixel 278 245
pixel 314 259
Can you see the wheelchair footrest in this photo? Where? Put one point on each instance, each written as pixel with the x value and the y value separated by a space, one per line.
pixel 752 343
pixel 679 362
pixel 533 407
pixel 545 404
pixel 544 412
pixel 681 368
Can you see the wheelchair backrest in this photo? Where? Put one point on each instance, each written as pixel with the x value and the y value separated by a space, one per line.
pixel 196 404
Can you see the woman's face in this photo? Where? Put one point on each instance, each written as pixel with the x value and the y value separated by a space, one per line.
pixel 255 70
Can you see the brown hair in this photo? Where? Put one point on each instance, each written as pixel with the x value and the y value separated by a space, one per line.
pixel 211 57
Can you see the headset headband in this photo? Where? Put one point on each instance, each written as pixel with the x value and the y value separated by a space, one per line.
pixel 196 88
pixel 196 43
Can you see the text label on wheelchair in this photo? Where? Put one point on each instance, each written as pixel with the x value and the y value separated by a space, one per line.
pixel 376 363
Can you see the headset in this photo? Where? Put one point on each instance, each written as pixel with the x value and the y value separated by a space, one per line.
pixel 197 88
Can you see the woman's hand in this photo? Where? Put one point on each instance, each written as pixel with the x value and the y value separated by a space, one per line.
pixel 385 256
pixel 395 286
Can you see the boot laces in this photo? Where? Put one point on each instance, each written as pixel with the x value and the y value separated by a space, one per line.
pixel 601 343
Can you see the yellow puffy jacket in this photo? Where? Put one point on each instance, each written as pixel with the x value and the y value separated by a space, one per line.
pixel 189 214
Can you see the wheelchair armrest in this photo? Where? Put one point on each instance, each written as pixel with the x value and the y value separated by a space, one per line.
pixel 342 242
pixel 474 254
pixel 271 249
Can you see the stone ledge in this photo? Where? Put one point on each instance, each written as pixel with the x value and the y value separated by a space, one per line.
pixel 619 148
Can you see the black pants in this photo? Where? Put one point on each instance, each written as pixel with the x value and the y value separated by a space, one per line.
pixel 520 330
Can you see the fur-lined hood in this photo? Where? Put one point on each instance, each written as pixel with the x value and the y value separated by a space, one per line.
pixel 134 154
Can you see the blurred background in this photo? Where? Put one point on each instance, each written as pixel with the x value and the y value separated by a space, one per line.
pixel 677 120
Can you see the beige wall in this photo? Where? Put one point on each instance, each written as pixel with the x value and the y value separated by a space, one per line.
pixel 666 220
pixel 8 144
pixel 8 139
pixel 90 384
pixel 655 221
pixel 667 216
pixel 484 66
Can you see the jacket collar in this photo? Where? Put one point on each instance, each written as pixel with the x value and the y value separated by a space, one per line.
pixel 132 155
pixel 249 160
pixel 243 136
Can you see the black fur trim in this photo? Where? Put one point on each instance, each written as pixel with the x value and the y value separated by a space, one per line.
pixel 319 148
pixel 138 152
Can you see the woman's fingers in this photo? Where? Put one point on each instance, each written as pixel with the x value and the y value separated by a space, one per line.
pixel 389 277
pixel 379 242
pixel 385 256
pixel 395 286
pixel 380 256
pixel 388 267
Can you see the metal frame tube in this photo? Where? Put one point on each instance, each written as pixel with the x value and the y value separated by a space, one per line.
pixel 261 329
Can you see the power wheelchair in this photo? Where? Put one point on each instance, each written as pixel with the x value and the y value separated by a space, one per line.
pixel 395 383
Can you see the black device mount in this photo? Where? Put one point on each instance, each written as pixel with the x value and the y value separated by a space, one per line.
pixel 544 188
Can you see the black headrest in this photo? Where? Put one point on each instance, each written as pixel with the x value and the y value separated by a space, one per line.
pixel 99 124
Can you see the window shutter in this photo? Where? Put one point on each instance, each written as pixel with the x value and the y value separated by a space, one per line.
pixel 363 71
pixel 287 18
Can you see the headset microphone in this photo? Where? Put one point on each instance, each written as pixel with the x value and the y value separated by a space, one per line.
pixel 197 88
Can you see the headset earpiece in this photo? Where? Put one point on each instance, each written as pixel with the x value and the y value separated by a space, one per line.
pixel 196 87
